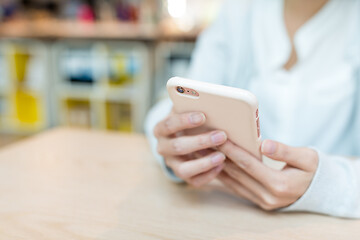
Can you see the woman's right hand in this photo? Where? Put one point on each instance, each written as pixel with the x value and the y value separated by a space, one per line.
pixel 191 157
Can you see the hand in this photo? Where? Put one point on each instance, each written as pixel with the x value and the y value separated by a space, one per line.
pixel 268 188
pixel 191 157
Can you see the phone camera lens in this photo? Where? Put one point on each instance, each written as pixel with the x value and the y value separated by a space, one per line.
pixel 180 89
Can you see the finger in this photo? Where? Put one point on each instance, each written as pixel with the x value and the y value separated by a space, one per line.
pixel 302 158
pixel 268 196
pixel 177 122
pixel 237 188
pixel 188 144
pixel 204 178
pixel 251 165
pixel 191 168
pixel 248 182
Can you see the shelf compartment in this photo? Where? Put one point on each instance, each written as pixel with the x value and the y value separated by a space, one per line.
pixel 119 116
pixel 78 113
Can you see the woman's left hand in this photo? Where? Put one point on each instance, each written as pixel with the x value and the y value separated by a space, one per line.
pixel 268 188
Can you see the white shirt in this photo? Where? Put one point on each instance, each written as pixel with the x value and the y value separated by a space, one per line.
pixel 316 94
pixel 312 104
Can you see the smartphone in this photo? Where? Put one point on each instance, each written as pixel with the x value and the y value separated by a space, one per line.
pixel 229 109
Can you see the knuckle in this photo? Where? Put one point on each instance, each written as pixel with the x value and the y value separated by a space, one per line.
pixel 264 207
pixel 284 152
pixel 184 119
pixel 267 207
pixel 280 190
pixel 203 165
pixel 168 124
pixel 177 146
pixel 280 187
pixel 203 141
pixel 269 203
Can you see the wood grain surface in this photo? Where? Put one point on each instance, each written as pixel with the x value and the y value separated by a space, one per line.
pixel 79 184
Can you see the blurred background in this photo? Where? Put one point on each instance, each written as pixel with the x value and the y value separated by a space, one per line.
pixel 94 64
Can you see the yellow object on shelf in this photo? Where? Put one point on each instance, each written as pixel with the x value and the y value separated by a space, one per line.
pixel 27 107
pixel 118 116
pixel 20 60
pixel 119 73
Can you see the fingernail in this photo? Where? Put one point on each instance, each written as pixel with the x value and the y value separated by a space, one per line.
pixel 218 137
pixel 197 118
pixel 217 158
pixel 268 147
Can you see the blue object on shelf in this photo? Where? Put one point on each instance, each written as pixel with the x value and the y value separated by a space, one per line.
pixel 78 66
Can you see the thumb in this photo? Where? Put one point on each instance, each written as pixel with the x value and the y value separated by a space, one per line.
pixel 298 157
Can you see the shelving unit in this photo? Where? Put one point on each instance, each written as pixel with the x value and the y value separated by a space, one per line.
pixel 104 72
pixel 99 84
pixel 102 84
pixel 114 95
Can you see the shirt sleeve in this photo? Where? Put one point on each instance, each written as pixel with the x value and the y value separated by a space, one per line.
pixel 155 115
pixel 335 188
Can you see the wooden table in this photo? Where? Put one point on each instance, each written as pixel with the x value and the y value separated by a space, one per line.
pixel 79 184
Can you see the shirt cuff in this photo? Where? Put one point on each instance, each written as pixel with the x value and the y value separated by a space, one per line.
pixel 333 190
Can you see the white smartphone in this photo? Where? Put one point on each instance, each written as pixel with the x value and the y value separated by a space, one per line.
pixel 230 109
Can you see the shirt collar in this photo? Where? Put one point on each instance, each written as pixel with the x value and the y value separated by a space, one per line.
pixel 320 27
pixel 271 40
